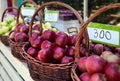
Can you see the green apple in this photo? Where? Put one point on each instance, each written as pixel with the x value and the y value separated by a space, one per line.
pixel 54 29
pixel 38 22
pixel 4 23
pixel 13 23
pixel 13 27
pixel 20 20
pixel 43 25
pixel 4 30
pixel 10 19
pixel 5 34
pixel 0 25
pixel 47 24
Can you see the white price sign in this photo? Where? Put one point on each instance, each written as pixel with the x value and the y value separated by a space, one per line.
pixel 105 34
pixel 27 11
pixel 51 16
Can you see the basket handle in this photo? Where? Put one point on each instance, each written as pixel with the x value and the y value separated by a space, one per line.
pixel 84 26
pixel 53 3
pixel 6 11
pixel 19 9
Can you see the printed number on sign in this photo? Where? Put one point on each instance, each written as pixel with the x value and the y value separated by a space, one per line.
pixel 102 34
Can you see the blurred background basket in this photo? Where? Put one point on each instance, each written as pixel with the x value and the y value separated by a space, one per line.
pixel 4 38
pixel 40 71
pixel 17 46
pixel 75 72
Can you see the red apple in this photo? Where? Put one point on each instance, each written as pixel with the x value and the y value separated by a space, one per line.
pixel 118 50
pixel 61 39
pixel 45 55
pixel 113 58
pixel 92 47
pixel 32 51
pixel 82 64
pixel 82 51
pixel 70 51
pixel 66 59
pixel 35 33
pixel 18 26
pixel 98 77
pixel 36 27
pixel 72 39
pixel 24 29
pixel 12 35
pixel 85 76
pixel 107 48
pixel 58 53
pixel 105 54
pixel 21 37
pixel 95 64
pixel 36 41
pixel 98 49
pixel 112 72
pixel 46 44
pixel 49 35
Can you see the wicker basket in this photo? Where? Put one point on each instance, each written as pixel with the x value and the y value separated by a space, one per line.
pixel 74 70
pixel 46 71
pixel 17 46
pixel 4 39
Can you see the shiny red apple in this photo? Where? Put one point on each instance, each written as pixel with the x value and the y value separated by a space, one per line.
pixel 21 37
pixel 45 55
pixel 61 39
pixel 66 59
pixel 36 27
pixel 32 52
pixel 72 39
pixel 112 71
pixel 36 41
pixel 46 44
pixel 95 64
pixel 70 51
pixel 58 53
pixel 98 49
pixel 49 35
pixel 98 77
pixel 82 64
pixel 85 76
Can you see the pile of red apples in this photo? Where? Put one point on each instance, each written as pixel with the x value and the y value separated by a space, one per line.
pixel 102 64
pixel 52 47
pixel 20 33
